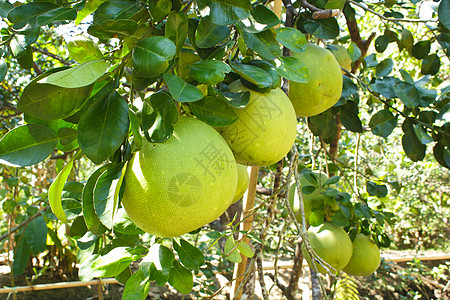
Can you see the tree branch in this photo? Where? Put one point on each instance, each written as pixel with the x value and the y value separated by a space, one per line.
pixel 45 52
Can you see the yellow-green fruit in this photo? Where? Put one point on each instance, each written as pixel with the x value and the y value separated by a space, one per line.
pixel 265 130
pixel 342 57
pixel 365 259
pixel 242 184
pixel 294 199
pixel 324 87
pixel 181 184
pixel 331 243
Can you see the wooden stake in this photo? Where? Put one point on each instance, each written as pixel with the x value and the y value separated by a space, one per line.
pixel 246 225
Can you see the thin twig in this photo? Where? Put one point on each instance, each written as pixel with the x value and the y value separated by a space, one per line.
pixel 4 236
pixel 47 53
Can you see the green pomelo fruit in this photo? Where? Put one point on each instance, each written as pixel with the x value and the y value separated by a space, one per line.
pixel 324 87
pixel 242 184
pixel 177 186
pixel 332 244
pixel 294 199
pixel 342 57
pixel 365 259
pixel 265 130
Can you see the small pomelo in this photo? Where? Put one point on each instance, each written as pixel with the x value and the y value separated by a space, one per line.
pixel 177 186
pixel 342 57
pixel 265 130
pixel 331 243
pixel 242 184
pixel 324 87
pixel 365 258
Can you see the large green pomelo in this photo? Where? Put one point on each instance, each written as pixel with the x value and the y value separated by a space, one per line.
pixel 181 184
pixel 324 87
pixel 243 181
pixel 331 243
pixel 365 259
pixel 265 130
pixel 342 57
pixel 294 199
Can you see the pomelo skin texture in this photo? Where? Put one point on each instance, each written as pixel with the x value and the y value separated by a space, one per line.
pixel 294 199
pixel 265 130
pixel 243 180
pixel 324 87
pixel 365 259
pixel 177 186
pixel 331 243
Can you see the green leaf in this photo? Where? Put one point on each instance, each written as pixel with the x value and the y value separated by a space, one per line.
pixel 245 249
pixel 78 228
pixel 269 69
pixel 245 4
pixel 159 9
pixel 383 123
pixel 264 43
pixel 406 77
pixel 209 71
pixel 371 60
pixel 213 111
pixel 83 49
pixel 292 69
pixel 252 74
pixel 237 100
pixel 137 286
pixel 322 29
pixel 430 64
pixel 234 255
pixel 407 93
pixel 55 15
pixel 90 217
pixel 123 223
pixel 291 38
pixel 25 15
pixel 407 40
pixel 384 67
pixel 422 135
pixel 421 49
pixel 209 34
pixel 191 257
pixel 106 193
pixel 180 90
pixel 56 188
pixel 79 76
pixel 157 263
pixel 354 51
pixel 384 86
pixel 414 149
pixel 177 29
pixel 323 125
pixel 88 8
pixel 444 13
pixel 103 127
pixel 35 235
pixel 3 69
pixel 381 43
pixel 377 190
pixel 151 56
pixel 111 264
pixel 116 10
pixel 5 7
pixel 226 14
pixel 340 220
pixel 332 180
pixel 22 253
pixel 181 278
pixel 349 88
pixel 442 155
pixel 261 18
pixel 350 118
pixel 27 145
pixel 113 28
pixel 308 189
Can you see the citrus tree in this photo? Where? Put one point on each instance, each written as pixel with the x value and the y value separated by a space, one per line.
pixel 164 97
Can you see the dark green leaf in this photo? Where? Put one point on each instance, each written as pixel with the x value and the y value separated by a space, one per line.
pixel 159 9
pixel 151 56
pixel 322 28
pixel 442 155
pixel 444 13
pixel 156 128
pixel 180 90
pixel 371 60
pixel 261 18
pixel 137 286
pixel 269 69
pixel 406 77
pixel 421 49
pixel 340 220
pixel 115 10
pixel 27 145
pixel 349 88
pixel 209 72
pixel 354 51
pixel 422 135
pixel 383 123
pixel 209 34
pixel 245 4
pixel 3 68
pixel 406 41
pixel 408 94
pixel 381 43
pixel 113 28
pixel 350 118
pixel 238 100
pixel 384 67
pixel 363 210
pixel 292 69
pixel 264 43
pixel 226 14
pixel 191 257
pixel 123 223
pixel 177 29
pixel 308 189
pixel 22 253
pixel 414 149
pixel 213 111
pixel 252 74
pixel 35 235
pixel 377 190
pixel 103 127
pixel 181 278
pixel 323 125
pixel 106 193
pixel 332 180
pixel 90 217
pixel 59 14
pixel 161 257
pixel 25 15
pixel 430 64
pixel 5 7
pixel 78 228
pixel 291 38
pixel 384 86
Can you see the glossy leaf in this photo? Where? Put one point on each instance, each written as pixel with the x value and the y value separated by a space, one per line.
pixel 151 56
pixel 213 111
pixel 381 43
pixel 226 14
pixel 35 235
pixel 245 4
pixel 407 40
pixel 177 29
pixel 383 123
pixel 252 74
pixel 55 15
pixel 350 118
pixel 180 90
pixel 261 18
pixel 24 16
pixel 354 51
pixel 181 278
pixel 430 64
pixel 422 135
pixel 322 28
pixel 137 286
pixel 209 34
pixel 5 7
pixel 83 49
pixel 323 125
pixel 269 69
pixel 88 8
pixel 191 257
pixel 444 13
pixel 90 217
pixel 3 69
pixel 414 149
pixel 103 127
pixel 408 94
pixel 113 28
pixel 421 49
pixel 27 145
pixel 159 9
pixel 384 67
pixel 292 69
pixel 106 193
pixel 209 71
pixel 237 100
pixel 245 249
pixel 231 251
pixel 79 76
pixel 22 253
pixel 377 190
pixel 112 263
pixel 442 155
pixel 291 38
pixel 384 86
pixel 264 43
pixel 123 223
